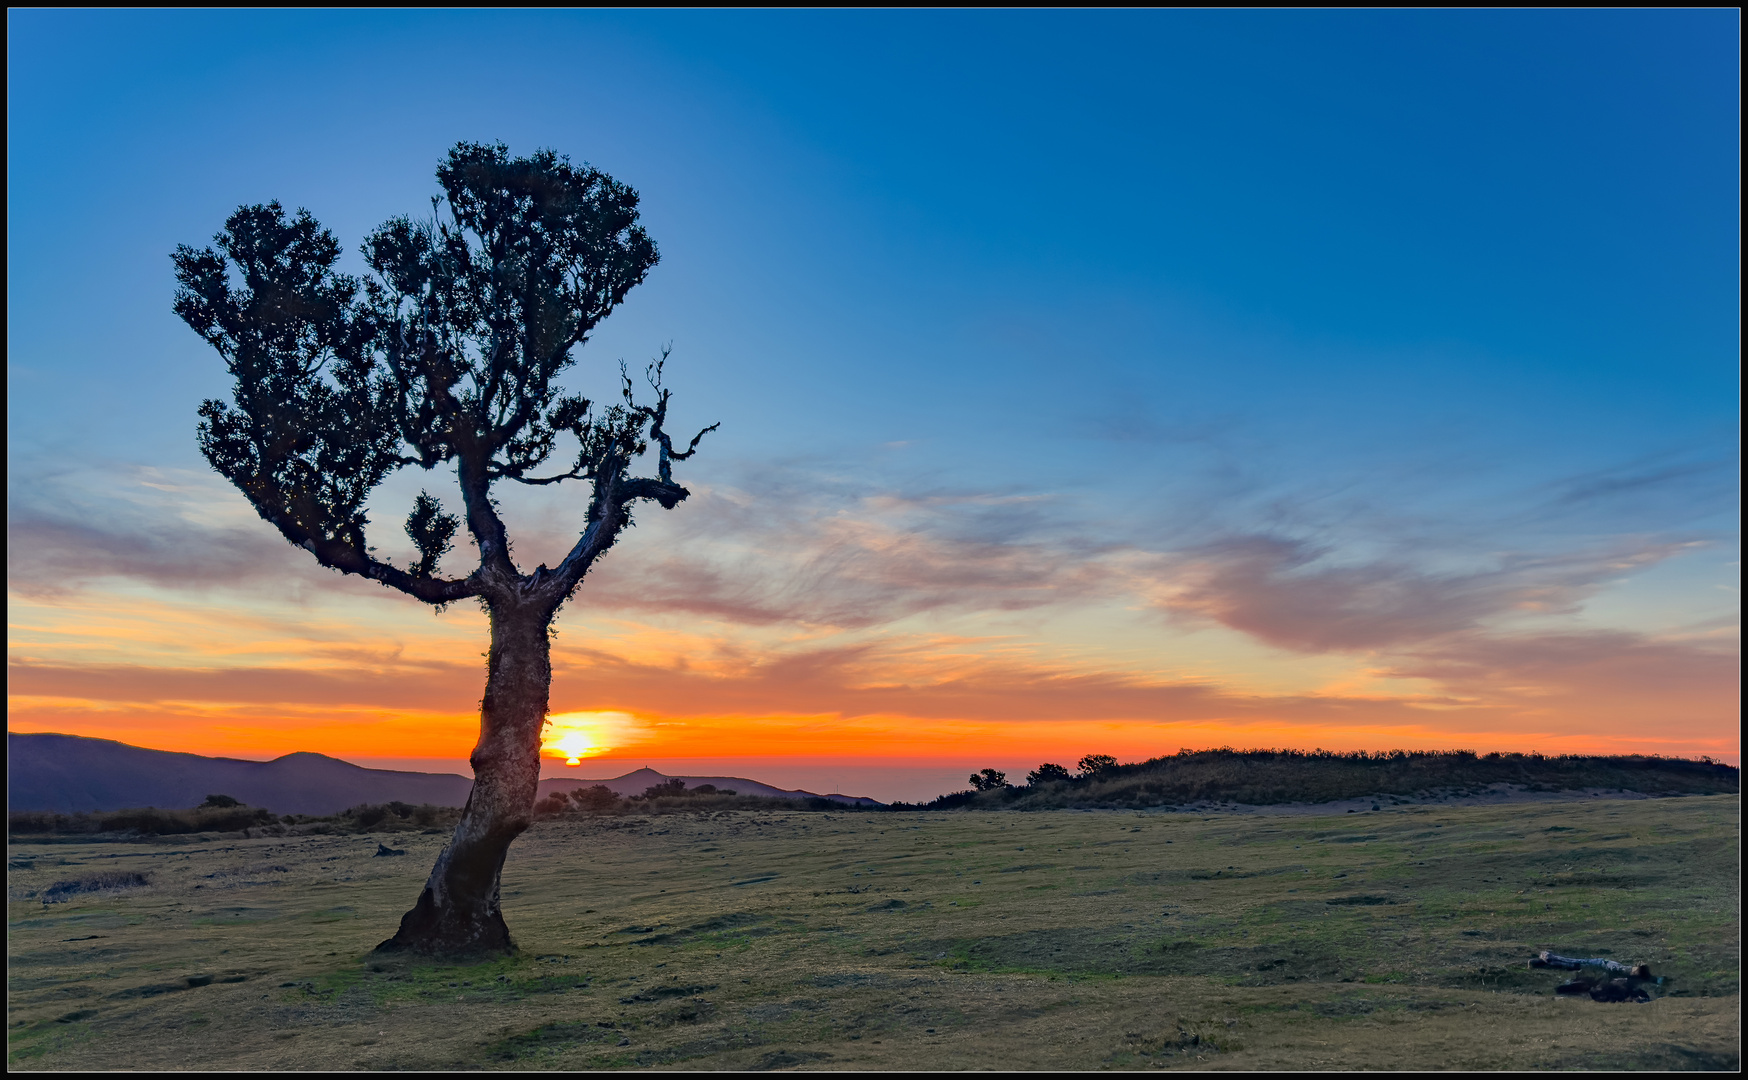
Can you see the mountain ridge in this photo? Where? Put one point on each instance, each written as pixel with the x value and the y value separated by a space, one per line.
pixel 77 774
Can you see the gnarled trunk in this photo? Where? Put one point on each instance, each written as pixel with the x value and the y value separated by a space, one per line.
pixel 458 911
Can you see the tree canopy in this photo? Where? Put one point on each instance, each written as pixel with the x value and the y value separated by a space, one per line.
pixel 449 350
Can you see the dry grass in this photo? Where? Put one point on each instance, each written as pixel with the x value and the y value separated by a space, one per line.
pixel 1394 939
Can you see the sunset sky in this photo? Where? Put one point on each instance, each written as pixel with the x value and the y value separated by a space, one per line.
pixel 1105 382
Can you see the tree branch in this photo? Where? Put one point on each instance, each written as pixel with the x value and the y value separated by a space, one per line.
pixel 483 521
pixel 535 481
pixel 342 556
pixel 667 493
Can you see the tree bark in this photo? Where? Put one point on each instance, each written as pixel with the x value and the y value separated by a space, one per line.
pixel 458 912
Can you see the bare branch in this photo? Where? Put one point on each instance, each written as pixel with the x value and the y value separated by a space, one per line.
pixel 659 417
pixel 536 481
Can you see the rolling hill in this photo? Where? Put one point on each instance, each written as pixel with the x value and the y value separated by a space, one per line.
pixel 72 774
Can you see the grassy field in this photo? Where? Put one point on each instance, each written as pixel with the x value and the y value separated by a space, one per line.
pixel 1060 939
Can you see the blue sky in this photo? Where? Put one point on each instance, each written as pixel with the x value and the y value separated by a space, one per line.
pixel 1414 296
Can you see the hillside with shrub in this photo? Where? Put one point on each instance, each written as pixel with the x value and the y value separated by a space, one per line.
pixel 1274 777
pixel 673 796
pixel 224 814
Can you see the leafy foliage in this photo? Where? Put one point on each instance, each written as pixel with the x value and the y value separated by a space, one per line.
pixel 307 435
pixel 449 350
pixel 432 532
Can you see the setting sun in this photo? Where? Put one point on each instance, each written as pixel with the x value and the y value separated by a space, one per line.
pixel 575 745
pixel 574 736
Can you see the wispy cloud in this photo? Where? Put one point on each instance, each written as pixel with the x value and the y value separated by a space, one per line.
pixel 173 531
pixel 798 549
pixel 1614 674
pixel 1702 486
pixel 858 564
pixel 1296 595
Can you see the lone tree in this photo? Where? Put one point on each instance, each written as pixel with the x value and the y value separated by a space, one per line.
pixel 989 780
pixel 1097 765
pixel 1048 774
pixel 448 351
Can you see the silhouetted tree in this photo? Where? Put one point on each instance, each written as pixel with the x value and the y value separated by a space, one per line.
pixel 673 785
pixel 989 780
pixel 1047 774
pixel 448 353
pixel 1096 765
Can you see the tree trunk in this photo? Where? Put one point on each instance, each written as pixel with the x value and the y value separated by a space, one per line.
pixel 458 911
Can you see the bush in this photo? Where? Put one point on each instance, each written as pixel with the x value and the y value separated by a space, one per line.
pixel 667 788
pixel 390 817
pixel 596 799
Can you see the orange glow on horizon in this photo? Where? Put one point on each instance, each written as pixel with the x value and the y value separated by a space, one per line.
pixel 578 735
pixel 615 736
pixel 253 683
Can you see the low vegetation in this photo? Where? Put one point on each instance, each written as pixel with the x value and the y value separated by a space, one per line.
pixel 1188 778
pixel 225 814
pixel 149 820
pixel 672 796
pixel 1272 777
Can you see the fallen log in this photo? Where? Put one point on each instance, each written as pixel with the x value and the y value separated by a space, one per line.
pixel 1571 963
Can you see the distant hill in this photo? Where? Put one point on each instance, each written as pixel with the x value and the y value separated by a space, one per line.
pixel 1273 777
pixel 636 783
pixel 73 774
